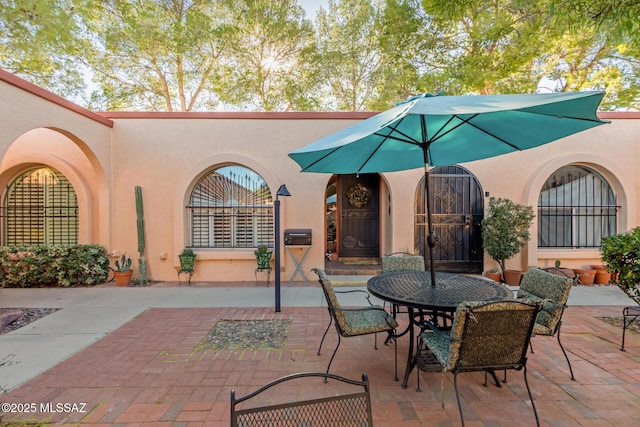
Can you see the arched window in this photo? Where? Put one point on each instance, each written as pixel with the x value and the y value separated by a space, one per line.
pixel 40 207
pixel 576 209
pixel 231 207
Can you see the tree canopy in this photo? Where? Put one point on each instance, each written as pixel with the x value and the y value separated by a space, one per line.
pixel 354 55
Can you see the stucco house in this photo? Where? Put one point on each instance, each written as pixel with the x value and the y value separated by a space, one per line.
pixel 209 181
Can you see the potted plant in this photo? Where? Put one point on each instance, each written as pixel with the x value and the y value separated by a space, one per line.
pixel 187 259
pixel 263 257
pixel 123 272
pixel 505 231
pixel 494 274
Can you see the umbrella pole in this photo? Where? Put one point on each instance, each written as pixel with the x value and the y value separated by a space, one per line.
pixel 431 241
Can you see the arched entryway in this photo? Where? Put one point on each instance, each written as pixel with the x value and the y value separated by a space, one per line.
pixel 353 216
pixel 457 212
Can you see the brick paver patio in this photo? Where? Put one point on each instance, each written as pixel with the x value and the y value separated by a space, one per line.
pixel 149 373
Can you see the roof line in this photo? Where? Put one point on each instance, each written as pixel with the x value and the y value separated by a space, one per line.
pixel 22 84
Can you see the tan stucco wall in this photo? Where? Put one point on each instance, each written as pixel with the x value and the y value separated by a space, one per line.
pixel 105 156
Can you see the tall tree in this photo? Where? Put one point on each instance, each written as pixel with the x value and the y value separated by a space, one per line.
pixel 490 44
pixel 404 48
pixel 348 41
pixel 157 55
pixel 270 61
pixel 615 57
pixel 39 41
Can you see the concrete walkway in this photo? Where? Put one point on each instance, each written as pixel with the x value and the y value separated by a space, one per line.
pixel 88 314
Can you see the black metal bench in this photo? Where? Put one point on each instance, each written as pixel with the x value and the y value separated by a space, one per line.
pixel 350 409
pixel 629 314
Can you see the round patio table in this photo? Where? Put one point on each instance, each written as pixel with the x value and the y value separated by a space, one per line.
pixel 413 290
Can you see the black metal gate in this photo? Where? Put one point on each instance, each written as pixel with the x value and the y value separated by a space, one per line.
pixel 457 212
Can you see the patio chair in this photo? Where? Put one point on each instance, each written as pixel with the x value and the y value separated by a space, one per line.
pixel 401 261
pixel 484 337
pixel 352 322
pixel 553 291
pixel 629 315
pixel 348 409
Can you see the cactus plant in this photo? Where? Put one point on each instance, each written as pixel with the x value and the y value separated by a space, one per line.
pixel 124 264
pixel 142 262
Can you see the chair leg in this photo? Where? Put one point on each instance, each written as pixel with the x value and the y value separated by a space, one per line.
pixel 325 334
pixel 626 324
pixel 564 352
pixel 332 356
pixel 418 349
pixel 395 354
pixel 455 387
pixel 533 405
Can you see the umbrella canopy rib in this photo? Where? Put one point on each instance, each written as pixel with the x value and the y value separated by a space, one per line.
pixel 491 134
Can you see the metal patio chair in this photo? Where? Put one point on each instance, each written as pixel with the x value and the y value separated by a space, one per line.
pixel 348 409
pixel 629 315
pixel 483 337
pixel 352 322
pixel 401 261
pixel 553 291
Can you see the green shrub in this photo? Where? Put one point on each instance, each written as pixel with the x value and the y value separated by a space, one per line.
pixel 55 266
pixel 621 254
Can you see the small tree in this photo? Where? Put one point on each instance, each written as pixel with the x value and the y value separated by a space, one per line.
pixel 506 229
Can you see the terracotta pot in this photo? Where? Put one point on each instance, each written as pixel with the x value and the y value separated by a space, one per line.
pixel 512 277
pixel 496 277
pixel 122 277
pixel 603 277
pixel 597 267
pixel 586 279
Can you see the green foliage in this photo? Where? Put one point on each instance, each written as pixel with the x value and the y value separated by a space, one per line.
pixel 506 229
pixel 621 254
pixel 262 55
pixel 57 266
pixel 124 264
pixel 187 252
pixel 263 249
pixel 270 57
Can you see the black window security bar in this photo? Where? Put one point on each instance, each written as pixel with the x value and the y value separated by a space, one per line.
pixel 576 209
pixel 231 207
pixel 40 207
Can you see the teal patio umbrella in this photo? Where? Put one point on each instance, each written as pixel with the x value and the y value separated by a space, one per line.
pixel 428 130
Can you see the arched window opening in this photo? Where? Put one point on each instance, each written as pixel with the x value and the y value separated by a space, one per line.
pixel 40 207
pixel 231 207
pixel 576 209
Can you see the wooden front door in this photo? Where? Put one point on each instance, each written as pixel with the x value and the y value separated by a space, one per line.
pixel 358 207
pixel 457 211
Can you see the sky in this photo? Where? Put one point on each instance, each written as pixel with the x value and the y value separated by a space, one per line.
pixel 312 6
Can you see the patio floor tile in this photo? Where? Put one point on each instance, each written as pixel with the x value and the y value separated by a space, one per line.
pixel 150 373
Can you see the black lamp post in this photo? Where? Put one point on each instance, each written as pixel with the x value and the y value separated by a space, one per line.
pixel 282 191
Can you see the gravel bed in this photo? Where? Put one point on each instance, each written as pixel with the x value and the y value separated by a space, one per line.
pixel 617 321
pixel 246 334
pixel 28 315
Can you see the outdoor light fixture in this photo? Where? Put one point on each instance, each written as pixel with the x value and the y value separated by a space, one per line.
pixel 282 191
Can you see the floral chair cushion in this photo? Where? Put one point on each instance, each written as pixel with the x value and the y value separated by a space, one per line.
pixel 550 289
pixel 355 321
pixel 447 349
